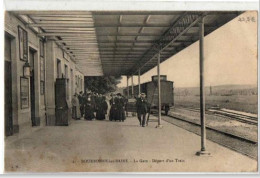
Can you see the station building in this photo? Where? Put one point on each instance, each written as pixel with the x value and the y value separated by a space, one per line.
pixel 30 100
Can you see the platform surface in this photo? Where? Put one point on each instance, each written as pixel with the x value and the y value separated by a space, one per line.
pixel 122 147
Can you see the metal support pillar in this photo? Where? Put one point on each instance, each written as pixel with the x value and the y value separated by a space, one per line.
pixel 127 86
pixel 132 83
pixel 159 92
pixel 139 86
pixel 202 90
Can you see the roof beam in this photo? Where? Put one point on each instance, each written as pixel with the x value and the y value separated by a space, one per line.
pixel 80 37
pixel 80 24
pixel 115 64
pixel 108 34
pixel 57 18
pixel 118 56
pixel 53 12
pixel 81 34
pixel 120 53
pixel 130 34
pixel 120 50
pixel 75 42
pixel 61 15
pixel 140 31
pixel 85 45
pixel 62 24
pixel 111 25
pixel 80 40
pixel 102 13
pixel 69 28
pixel 71 31
pixel 186 21
pixel 83 52
pixel 122 47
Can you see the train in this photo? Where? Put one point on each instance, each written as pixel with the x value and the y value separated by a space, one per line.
pixel 151 91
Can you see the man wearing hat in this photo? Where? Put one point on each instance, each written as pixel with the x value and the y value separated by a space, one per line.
pixel 113 109
pixel 88 105
pixel 142 107
pixel 120 113
pixel 81 103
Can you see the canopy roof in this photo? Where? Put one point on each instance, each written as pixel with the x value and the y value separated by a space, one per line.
pixel 122 42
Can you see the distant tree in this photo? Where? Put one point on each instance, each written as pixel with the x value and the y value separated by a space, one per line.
pixel 102 84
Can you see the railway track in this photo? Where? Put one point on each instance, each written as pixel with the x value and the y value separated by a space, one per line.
pixel 235 115
pixel 237 143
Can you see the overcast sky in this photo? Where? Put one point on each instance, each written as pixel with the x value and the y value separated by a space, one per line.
pixel 230 58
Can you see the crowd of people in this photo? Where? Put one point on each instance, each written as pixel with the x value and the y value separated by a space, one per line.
pixel 118 108
pixel 90 105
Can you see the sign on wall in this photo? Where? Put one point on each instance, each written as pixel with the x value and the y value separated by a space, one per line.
pixel 24 92
pixel 23 44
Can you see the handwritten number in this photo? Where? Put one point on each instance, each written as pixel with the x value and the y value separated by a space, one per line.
pixel 246 19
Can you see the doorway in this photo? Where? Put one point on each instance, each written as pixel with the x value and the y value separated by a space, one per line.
pixel 8 88
pixel 32 87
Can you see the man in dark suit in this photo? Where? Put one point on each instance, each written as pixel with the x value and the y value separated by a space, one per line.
pixel 120 105
pixel 142 107
pixel 81 103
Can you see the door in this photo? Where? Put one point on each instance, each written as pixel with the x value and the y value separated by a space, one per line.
pixel 32 87
pixel 8 88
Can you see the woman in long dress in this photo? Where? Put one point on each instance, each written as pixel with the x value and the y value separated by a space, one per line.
pixel 89 108
pixel 108 108
pixel 75 107
pixel 113 109
pixel 120 108
pixel 101 108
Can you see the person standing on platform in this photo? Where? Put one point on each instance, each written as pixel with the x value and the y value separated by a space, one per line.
pixel 97 105
pixel 123 104
pixel 120 108
pixel 142 107
pixel 89 107
pixel 81 103
pixel 108 107
pixel 125 101
pixel 94 98
pixel 101 108
pixel 112 112
pixel 75 107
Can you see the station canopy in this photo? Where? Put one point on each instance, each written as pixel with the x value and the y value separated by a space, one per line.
pixel 122 42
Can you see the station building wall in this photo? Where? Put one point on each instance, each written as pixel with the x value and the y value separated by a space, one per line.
pixel 45 101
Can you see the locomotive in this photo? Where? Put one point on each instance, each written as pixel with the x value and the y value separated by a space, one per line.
pixel 151 91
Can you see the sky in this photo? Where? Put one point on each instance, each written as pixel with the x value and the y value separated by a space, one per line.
pixel 230 58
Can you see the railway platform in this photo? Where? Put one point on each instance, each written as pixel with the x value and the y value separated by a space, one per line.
pixel 95 146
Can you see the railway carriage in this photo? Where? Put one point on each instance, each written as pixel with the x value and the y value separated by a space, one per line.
pixel 151 91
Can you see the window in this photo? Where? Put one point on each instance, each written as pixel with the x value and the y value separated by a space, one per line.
pixel 66 71
pixel 42 68
pixel 71 82
pixel 67 81
pixel 58 68
pixel 23 43
pixel 24 92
